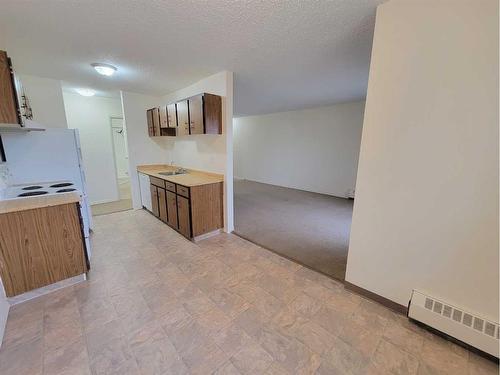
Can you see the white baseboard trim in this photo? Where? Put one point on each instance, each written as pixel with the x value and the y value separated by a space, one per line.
pixel 46 289
pixel 104 201
pixel 331 194
pixel 207 235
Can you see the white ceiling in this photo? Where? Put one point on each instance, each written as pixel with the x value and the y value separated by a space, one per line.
pixel 284 54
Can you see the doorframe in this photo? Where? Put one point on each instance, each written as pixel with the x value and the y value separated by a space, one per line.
pixel 111 118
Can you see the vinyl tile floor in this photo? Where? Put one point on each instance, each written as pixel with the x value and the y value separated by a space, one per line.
pixel 156 303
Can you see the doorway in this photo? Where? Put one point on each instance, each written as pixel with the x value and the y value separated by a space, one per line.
pixel 295 176
pixel 120 155
pixel 99 120
pixel 121 158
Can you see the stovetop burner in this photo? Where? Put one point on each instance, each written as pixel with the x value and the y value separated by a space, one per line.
pixel 61 184
pixel 32 193
pixel 33 187
pixel 65 190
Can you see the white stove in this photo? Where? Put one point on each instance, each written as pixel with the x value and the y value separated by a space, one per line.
pixel 26 191
pixel 39 189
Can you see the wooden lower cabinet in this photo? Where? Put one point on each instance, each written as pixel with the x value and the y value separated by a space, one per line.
pixel 162 204
pixel 206 208
pixel 172 209
pixel 41 246
pixel 192 211
pixel 183 215
pixel 154 201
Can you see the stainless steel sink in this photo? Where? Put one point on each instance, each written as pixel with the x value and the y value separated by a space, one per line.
pixel 173 173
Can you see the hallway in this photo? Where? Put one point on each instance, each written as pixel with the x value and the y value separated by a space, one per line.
pixel 123 204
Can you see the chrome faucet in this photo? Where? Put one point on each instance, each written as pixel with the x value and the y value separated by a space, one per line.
pixel 181 171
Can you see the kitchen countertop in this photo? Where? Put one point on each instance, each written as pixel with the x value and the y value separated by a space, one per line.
pixel 40 201
pixel 192 178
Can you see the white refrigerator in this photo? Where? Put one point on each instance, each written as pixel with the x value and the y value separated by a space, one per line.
pixel 44 156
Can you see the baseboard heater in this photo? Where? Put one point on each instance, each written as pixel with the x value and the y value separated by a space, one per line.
pixel 462 325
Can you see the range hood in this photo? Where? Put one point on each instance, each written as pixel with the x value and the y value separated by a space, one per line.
pixel 16 128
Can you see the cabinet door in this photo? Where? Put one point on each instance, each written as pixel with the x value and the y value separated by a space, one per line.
pixel 183 215
pixel 182 118
pixel 212 114
pixel 162 204
pixel 163 117
pixel 196 114
pixel 156 121
pixel 172 209
pixel 40 247
pixel 154 201
pixel 149 116
pixel 172 116
pixel 8 101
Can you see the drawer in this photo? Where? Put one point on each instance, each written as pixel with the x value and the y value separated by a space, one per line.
pixel 182 190
pixel 170 186
pixel 157 181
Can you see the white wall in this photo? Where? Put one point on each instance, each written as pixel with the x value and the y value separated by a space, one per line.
pixel 426 208
pixel 313 149
pixel 211 153
pixel 205 152
pixel 92 117
pixel 46 100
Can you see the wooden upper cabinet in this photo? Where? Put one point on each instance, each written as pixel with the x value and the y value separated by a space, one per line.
pixel 196 115
pixel 172 115
pixel 212 113
pixel 153 117
pixel 200 114
pixel 149 116
pixel 156 121
pixel 182 118
pixel 9 111
pixel 163 117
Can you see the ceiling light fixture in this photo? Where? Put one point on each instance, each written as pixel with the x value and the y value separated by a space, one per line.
pixel 104 69
pixel 85 92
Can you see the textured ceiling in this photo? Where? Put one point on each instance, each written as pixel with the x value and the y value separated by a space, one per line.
pixel 284 54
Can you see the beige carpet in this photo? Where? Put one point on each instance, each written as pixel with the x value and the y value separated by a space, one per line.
pixel 123 204
pixel 312 229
